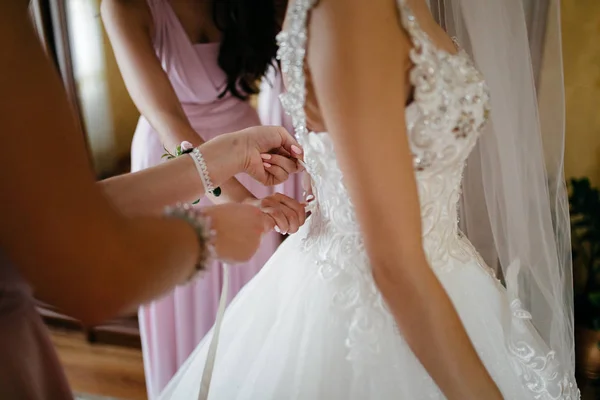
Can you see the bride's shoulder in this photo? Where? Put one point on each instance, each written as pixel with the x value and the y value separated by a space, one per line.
pixel 357 20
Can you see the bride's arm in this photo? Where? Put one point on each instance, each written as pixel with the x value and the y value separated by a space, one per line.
pixel 357 55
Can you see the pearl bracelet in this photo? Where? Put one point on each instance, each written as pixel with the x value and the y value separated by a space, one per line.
pixel 204 234
pixel 203 171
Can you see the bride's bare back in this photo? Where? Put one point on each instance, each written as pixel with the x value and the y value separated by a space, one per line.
pixel 438 36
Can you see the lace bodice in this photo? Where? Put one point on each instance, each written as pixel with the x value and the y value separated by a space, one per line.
pixel 449 109
pixel 451 105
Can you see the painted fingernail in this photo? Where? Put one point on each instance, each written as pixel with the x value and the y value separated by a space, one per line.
pixel 310 197
pixel 277 229
pixel 267 165
pixel 296 149
pixel 265 156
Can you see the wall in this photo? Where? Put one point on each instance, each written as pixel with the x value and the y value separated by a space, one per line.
pixel 125 113
pixel 581 51
pixel 111 117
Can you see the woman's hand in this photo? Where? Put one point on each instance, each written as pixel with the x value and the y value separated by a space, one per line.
pixel 238 230
pixel 286 214
pixel 270 154
pixel 307 187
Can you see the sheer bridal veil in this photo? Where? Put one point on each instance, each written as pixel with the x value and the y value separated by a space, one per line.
pixel 514 204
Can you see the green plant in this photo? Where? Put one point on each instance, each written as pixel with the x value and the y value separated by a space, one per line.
pixel 584 206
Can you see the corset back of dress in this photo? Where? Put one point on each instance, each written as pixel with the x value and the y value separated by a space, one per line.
pixel 450 107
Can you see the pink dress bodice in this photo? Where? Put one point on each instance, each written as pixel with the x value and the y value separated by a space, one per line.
pixel 194 72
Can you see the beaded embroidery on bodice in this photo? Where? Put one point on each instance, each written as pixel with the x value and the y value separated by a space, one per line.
pixel 449 111
pixel 451 105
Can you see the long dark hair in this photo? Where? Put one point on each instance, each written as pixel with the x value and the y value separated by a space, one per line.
pixel 248 44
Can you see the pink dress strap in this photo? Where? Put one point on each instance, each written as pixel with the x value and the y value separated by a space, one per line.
pixel 191 68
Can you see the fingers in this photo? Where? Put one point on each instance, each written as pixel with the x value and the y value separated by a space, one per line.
pixel 281 222
pixel 290 165
pixel 288 214
pixel 279 167
pixel 297 208
pixel 279 174
pixel 292 219
pixel 268 223
pixel 273 208
pixel 282 152
pixel 274 140
pixel 290 144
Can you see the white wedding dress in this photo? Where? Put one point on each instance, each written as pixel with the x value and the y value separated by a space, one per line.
pixel 312 325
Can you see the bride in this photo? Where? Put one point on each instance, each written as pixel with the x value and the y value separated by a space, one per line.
pixel 367 300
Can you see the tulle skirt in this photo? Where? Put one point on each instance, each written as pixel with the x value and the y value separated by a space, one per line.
pixel 172 326
pixel 284 337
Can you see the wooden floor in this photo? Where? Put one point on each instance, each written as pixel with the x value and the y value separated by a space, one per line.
pixel 100 369
pixel 118 372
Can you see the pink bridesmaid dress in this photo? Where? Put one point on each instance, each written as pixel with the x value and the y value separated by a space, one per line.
pixel 172 326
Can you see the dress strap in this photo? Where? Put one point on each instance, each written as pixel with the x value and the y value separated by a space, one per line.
pixel 421 41
pixel 157 10
pixel 291 53
pixel 408 19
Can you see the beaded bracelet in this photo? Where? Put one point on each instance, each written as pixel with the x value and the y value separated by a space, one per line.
pixel 203 171
pixel 204 233
pixel 187 148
